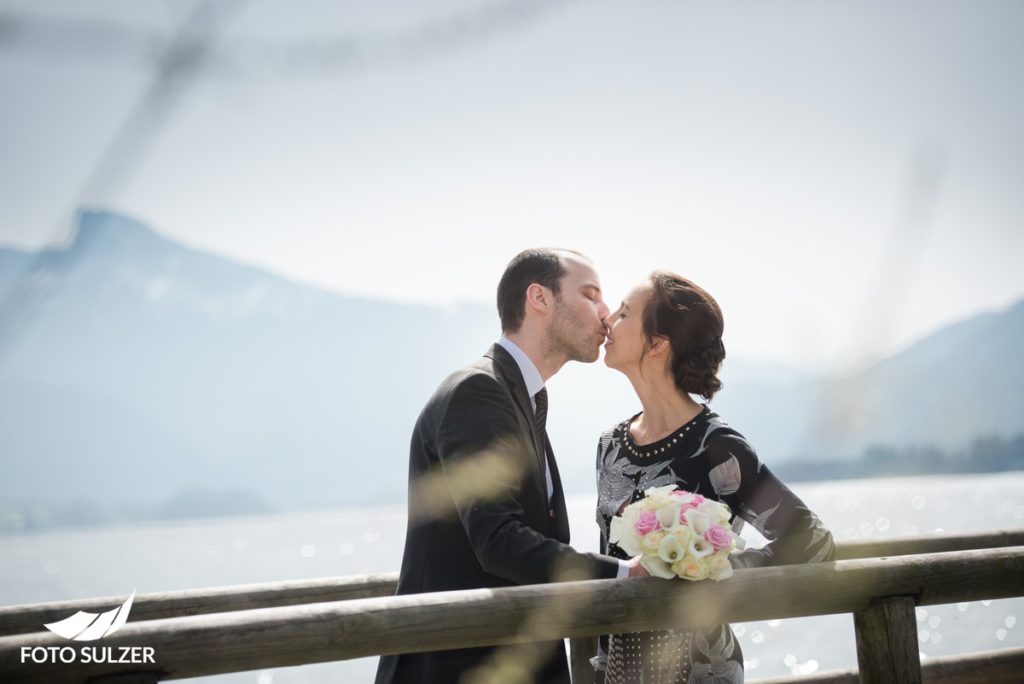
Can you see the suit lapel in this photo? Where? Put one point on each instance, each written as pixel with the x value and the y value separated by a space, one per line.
pixel 514 377
pixel 557 506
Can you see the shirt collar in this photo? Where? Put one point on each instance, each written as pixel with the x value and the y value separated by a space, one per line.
pixel 531 376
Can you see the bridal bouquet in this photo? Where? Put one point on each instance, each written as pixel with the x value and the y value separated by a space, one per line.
pixel 678 534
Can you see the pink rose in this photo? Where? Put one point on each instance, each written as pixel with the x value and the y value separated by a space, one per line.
pixel 687 506
pixel 718 537
pixel 647 522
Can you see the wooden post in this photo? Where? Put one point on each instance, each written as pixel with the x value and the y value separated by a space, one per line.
pixel 581 650
pixel 887 642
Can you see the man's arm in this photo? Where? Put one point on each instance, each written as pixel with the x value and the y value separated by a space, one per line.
pixel 485 461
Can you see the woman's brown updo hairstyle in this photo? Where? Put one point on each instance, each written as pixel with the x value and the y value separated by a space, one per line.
pixel 690 319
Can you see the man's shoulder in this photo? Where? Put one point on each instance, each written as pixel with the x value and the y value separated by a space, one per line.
pixel 479 384
pixel 480 375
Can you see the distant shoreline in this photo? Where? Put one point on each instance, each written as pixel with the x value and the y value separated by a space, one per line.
pixel 787 472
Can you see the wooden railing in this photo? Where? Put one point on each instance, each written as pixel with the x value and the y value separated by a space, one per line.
pixel 231 629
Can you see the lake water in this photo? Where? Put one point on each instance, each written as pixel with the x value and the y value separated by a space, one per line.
pixel 113 561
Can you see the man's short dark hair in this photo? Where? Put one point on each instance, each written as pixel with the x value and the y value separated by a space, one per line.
pixel 542 266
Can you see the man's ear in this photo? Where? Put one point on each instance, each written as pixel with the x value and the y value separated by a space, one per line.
pixel 538 298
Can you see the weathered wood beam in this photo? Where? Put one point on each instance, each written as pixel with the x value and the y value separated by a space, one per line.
pixel 932 543
pixel 151 606
pixel 311 633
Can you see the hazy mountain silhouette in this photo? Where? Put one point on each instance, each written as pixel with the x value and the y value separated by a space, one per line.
pixel 131 366
pixel 135 369
pixel 963 381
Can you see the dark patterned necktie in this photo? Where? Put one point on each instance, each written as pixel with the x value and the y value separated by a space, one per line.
pixel 540 414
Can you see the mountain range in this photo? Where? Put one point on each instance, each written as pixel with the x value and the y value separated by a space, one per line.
pixel 135 370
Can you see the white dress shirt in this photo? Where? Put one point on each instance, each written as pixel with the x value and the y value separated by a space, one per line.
pixel 535 383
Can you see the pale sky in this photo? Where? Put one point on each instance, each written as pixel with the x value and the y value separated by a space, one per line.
pixel 843 177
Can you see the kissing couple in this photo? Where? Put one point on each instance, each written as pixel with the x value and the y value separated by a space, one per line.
pixel 486 504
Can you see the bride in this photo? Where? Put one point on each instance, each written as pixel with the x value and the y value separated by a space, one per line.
pixel 666 338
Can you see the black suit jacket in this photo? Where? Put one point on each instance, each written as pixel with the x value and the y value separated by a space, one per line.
pixel 479 514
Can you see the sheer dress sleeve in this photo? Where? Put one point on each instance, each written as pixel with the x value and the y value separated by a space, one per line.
pixel 741 480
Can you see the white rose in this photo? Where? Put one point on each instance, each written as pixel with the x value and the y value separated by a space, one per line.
pixel 656 497
pixel 692 569
pixel 719 567
pixel 685 497
pixel 683 534
pixel 651 541
pixel 715 510
pixel 660 491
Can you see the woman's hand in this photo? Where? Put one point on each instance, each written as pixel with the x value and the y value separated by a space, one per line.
pixel 635 569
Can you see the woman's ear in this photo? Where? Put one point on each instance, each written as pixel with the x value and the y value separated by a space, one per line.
pixel 659 346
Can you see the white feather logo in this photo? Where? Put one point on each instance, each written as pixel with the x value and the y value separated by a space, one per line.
pixel 84 626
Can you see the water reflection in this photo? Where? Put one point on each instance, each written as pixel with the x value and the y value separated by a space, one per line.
pixel 75 564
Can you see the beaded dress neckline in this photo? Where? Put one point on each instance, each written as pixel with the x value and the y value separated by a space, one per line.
pixel 662 445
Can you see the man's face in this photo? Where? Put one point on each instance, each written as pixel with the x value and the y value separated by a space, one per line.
pixel 577 329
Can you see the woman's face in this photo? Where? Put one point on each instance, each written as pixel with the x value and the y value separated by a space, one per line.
pixel 625 344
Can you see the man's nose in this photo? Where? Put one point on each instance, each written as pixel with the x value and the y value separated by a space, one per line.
pixel 603 312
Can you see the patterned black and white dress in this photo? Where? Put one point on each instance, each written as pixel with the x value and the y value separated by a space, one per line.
pixel 707 457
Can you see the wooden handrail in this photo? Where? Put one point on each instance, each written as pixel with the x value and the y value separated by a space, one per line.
pixel 151 606
pixel 167 604
pixel 933 543
pixel 294 635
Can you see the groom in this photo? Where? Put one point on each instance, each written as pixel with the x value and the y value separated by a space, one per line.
pixel 486 506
